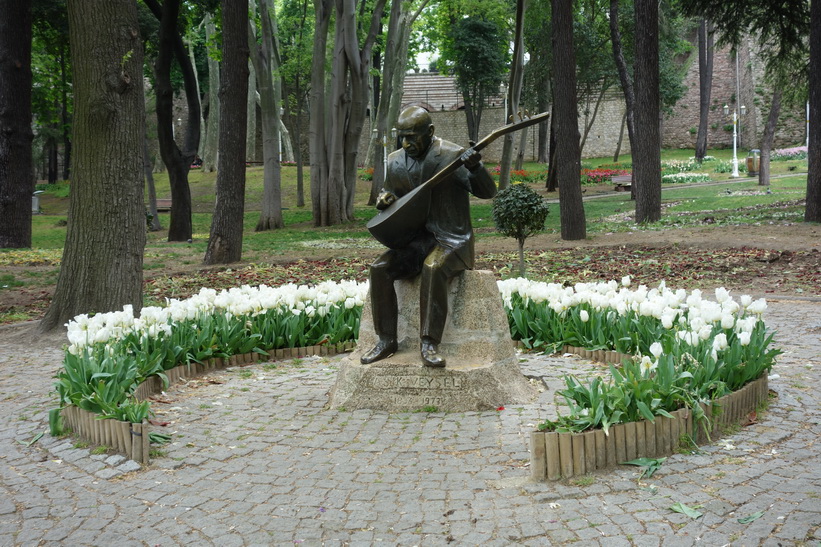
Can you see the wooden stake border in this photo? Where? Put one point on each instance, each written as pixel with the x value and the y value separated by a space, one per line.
pixel 556 456
pixel 132 439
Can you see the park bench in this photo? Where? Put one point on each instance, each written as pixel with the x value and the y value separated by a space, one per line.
pixel 622 182
pixel 163 205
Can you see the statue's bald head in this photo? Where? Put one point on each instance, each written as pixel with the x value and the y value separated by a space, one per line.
pixel 415 131
pixel 414 117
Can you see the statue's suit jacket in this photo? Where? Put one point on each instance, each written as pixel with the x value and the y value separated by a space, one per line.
pixel 449 215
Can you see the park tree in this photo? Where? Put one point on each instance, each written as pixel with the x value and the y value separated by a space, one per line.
pixel 565 114
pixel 51 95
pixel 102 262
pixel 537 71
pixel 295 28
pixel 177 159
pixel 16 181
pixel 705 84
pixel 225 241
pixel 514 92
pixel 647 146
pixel 265 59
pixel 211 130
pixel 402 16
pixel 625 75
pixel 478 64
pixel 472 37
pixel 337 117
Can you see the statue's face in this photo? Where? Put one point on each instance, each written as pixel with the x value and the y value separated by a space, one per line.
pixel 415 133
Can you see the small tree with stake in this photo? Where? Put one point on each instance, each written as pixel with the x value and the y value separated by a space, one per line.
pixel 519 212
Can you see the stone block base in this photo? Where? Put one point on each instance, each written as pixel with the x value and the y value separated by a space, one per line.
pixel 482 370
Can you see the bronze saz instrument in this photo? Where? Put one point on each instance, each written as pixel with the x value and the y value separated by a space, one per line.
pixel 397 225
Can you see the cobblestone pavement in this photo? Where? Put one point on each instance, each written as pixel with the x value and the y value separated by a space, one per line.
pixel 257 460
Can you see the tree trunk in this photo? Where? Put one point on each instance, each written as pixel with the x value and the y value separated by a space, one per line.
pixel 812 212
pixel 514 92
pixel 568 154
pixel 152 192
pixel 617 153
pixel 225 242
pixel 705 85
pixel 624 78
pixel 210 148
pixel 177 160
pixel 15 120
pixel 333 185
pixel 251 108
pixel 66 118
pixel 192 59
pixel 552 183
pixel 265 63
pixel 317 137
pixel 102 263
pixel 544 129
pixel 647 149
pixel 768 137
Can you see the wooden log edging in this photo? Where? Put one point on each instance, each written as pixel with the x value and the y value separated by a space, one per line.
pixel 133 439
pixel 555 456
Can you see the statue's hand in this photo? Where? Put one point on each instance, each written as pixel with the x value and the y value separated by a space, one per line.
pixel 471 159
pixel 384 199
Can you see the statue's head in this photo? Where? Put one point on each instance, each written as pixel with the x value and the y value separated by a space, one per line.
pixel 415 131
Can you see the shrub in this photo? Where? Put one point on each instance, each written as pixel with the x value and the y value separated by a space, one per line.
pixel 519 212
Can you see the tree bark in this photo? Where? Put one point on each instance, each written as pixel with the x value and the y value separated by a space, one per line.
pixel 225 242
pixel 265 62
pixel 812 212
pixel 177 160
pixel 624 75
pixel 768 137
pixel 15 120
pixel 568 154
pixel 210 148
pixel 647 149
pixel 552 183
pixel 705 85
pixel 333 183
pixel 514 92
pixel 152 192
pixel 102 263
pixel 251 107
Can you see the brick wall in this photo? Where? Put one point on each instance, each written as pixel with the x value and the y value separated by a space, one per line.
pixel 679 129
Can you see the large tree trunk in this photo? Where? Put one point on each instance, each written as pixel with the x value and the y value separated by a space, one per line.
pixel 767 139
pixel 15 124
pixel 647 149
pixel 210 148
pixel 812 213
pixel 568 154
pixel 225 243
pixel 265 63
pixel 102 265
pixel 705 85
pixel 317 137
pixel 177 160
pixel 514 92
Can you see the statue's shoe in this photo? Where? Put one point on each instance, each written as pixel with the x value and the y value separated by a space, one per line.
pixel 384 348
pixel 430 355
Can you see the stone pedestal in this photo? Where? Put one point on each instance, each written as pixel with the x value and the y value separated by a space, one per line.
pixel 482 370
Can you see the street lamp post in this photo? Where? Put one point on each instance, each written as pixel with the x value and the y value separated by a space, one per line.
pixel 735 137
